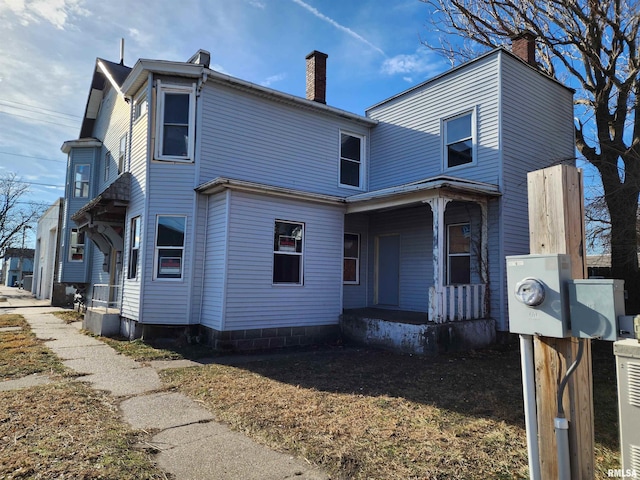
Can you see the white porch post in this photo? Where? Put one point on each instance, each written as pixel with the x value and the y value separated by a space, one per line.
pixel 436 298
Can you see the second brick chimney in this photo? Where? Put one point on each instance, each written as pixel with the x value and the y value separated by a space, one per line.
pixel 317 76
pixel 524 46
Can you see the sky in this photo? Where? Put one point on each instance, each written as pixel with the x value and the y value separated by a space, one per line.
pixel 49 48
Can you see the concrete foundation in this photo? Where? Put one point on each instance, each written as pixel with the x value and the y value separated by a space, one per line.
pixel 419 339
pixel 101 322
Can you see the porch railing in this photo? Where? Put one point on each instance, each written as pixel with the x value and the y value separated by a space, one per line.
pixel 457 302
pixel 105 296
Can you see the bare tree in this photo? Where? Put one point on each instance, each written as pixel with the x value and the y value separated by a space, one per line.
pixel 591 45
pixel 15 214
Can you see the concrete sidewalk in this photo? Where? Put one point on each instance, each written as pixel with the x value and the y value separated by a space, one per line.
pixel 191 444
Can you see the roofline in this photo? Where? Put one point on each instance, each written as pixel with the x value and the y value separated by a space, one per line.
pixel 464 65
pixel 163 67
pixel 80 143
pixel 221 183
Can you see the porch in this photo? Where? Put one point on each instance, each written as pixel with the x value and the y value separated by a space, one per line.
pixel 412 332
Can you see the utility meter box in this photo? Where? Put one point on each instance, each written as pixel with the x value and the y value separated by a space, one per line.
pixel 627 354
pixel 595 306
pixel 537 294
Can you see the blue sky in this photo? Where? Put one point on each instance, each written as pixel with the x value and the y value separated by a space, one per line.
pixel 49 49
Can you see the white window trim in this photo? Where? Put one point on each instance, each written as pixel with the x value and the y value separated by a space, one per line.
pixel 107 165
pixel 184 89
pixel 122 153
pixel 301 255
pixel 72 245
pixel 132 247
pixel 88 182
pixel 139 100
pixel 474 136
pixel 449 254
pixel 357 259
pixel 157 249
pixel 363 151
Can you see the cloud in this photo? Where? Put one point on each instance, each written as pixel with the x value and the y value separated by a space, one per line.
pixel 257 4
pixel 56 12
pixel 273 79
pixel 408 64
pixel 331 21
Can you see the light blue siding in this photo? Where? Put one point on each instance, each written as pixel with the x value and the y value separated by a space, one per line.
pixel 215 261
pixel 407 145
pixel 138 165
pixel 537 132
pixel 253 138
pixel 252 299
pixel 77 272
pixel 170 193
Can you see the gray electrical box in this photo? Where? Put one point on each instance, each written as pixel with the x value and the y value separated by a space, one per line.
pixel 595 306
pixel 627 354
pixel 536 294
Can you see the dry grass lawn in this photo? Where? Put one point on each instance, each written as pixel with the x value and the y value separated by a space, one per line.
pixel 64 429
pixel 69 316
pixel 367 414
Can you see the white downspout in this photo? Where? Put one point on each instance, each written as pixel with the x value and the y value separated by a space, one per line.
pixel 530 414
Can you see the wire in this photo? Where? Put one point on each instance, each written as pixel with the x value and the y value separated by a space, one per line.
pixel 41 108
pixel 34 109
pixel 30 156
pixel 40 120
pixel 564 381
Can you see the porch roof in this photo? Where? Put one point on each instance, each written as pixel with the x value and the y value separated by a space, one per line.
pixel 417 192
pixel 111 202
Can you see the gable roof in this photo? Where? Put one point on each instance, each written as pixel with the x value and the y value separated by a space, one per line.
pixel 105 71
pixel 465 65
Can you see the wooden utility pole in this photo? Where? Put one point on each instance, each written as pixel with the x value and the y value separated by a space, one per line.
pixel 556 225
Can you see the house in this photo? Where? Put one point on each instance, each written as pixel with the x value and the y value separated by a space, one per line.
pixel 46 264
pixel 17 264
pixel 256 219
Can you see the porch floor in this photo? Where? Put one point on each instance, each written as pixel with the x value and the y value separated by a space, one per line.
pixel 394 316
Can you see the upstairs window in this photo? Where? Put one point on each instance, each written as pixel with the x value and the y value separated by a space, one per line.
pixel 81 178
pixel 458 140
pixel 122 155
pixel 175 123
pixel 351 160
pixel 169 253
pixel 76 245
pixel 140 107
pixel 288 243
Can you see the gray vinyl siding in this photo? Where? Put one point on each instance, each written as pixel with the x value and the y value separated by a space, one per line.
pixel 215 261
pixel 138 165
pixel 112 123
pixel 252 301
pixel 537 132
pixel 252 138
pixel 170 192
pixel 355 296
pixel 407 144
pixel 77 272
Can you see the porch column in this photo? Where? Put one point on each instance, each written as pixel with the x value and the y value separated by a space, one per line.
pixel 484 256
pixel 436 296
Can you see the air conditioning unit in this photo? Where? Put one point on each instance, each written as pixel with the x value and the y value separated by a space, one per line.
pixel 628 369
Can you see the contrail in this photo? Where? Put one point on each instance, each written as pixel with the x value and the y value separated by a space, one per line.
pixel 331 21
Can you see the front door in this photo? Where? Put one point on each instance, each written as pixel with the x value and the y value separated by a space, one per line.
pixel 388 270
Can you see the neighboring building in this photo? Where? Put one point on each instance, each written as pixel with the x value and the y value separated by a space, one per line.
pixel 46 262
pixel 17 264
pixel 200 200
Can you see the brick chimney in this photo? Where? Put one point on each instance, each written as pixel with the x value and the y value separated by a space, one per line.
pixel 317 76
pixel 524 46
